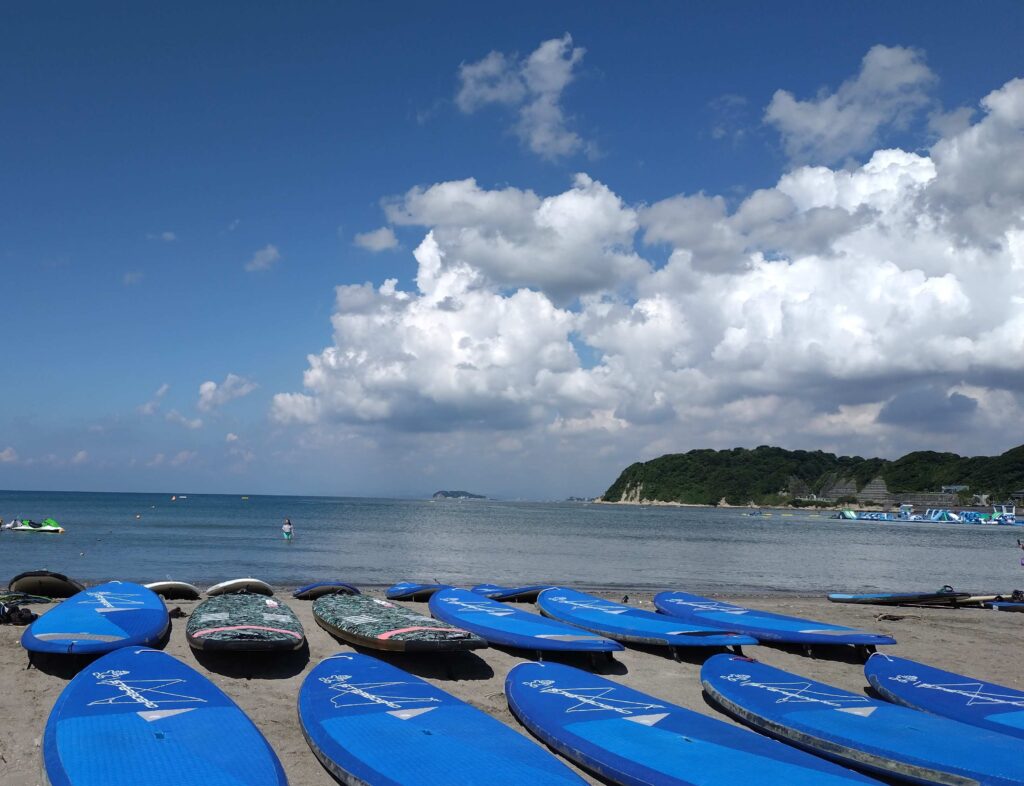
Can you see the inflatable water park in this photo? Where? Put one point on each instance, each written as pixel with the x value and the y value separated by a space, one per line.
pixel 1005 515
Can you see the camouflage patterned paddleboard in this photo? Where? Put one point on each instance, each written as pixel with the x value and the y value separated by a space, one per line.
pixel 244 623
pixel 383 625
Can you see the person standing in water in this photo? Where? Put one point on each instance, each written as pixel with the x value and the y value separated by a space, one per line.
pixel 287 529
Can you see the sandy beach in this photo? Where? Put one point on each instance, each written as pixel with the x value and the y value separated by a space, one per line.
pixel 984 644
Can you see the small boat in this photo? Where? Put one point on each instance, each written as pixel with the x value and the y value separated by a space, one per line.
pixel 45 526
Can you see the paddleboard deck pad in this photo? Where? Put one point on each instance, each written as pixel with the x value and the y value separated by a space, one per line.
pixel 139 716
pixel 410 590
pixel 969 700
pixel 630 738
pixel 381 624
pixel 371 723
pixel 526 594
pixel 944 596
pixel 859 731
pixel 321 588
pixel 246 623
pixel 250 585
pixel 98 620
pixel 626 623
pixel 501 624
pixel 762 625
pixel 174 590
pixel 45 583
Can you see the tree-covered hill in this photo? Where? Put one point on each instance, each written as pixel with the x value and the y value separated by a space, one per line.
pixel 768 475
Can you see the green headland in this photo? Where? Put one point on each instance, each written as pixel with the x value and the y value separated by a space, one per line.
pixel 774 476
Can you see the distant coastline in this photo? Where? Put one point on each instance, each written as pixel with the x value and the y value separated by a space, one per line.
pixel 774 477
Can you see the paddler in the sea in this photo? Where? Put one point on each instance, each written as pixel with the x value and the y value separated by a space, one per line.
pixel 287 529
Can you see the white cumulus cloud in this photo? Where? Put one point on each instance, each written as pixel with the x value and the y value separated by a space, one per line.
pixel 190 423
pixel 533 86
pixel 264 259
pixel 382 239
pixel 8 455
pixel 183 457
pixel 871 309
pixel 565 245
pixel 891 88
pixel 151 406
pixel 213 396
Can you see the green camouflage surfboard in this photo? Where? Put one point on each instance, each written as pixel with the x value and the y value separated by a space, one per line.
pixel 383 625
pixel 244 623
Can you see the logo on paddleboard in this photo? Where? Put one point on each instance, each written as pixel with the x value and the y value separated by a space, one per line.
pixel 592 699
pixel 806 692
pixel 112 601
pixel 151 694
pixel 708 605
pixel 481 606
pixel 590 605
pixel 358 694
pixel 976 693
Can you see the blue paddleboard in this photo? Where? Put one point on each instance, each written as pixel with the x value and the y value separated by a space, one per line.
pixel 965 699
pixel 944 596
pixel 1004 605
pixel 625 623
pixel 371 723
pixel 138 716
pixel 763 625
pixel 321 588
pixel 100 619
pixel 411 590
pixel 630 738
pixel 859 731
pixel 510 627
pixel 526 594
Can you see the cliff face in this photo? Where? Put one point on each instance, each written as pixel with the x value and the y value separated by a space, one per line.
pixel 767 475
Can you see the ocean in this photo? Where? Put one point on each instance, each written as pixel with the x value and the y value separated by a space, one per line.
pixel 205 538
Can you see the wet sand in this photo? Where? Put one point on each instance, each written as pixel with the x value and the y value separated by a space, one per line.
pixel 980 643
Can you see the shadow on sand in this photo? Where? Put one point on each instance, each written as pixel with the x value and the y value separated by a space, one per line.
pixel 255 665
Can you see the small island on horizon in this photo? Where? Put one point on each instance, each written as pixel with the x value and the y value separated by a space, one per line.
pixel 444 494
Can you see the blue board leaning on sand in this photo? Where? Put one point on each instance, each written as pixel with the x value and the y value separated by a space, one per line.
pixel 525 594
pixel 98 620
pixel 138 716
pixel 630 738
pixel 501 624
pixel 944 596
pixel 412 590
pixel 859 731
pixel 626 623
pixel 371 723
pixel 969 700
pixel 763 625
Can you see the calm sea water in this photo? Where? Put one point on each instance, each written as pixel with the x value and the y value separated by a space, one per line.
pixel 208 538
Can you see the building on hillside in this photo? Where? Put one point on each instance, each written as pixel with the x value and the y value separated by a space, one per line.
pixel 876 492
pixel 956 489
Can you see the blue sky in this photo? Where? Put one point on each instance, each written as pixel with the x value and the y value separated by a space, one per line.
pixel 647 260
